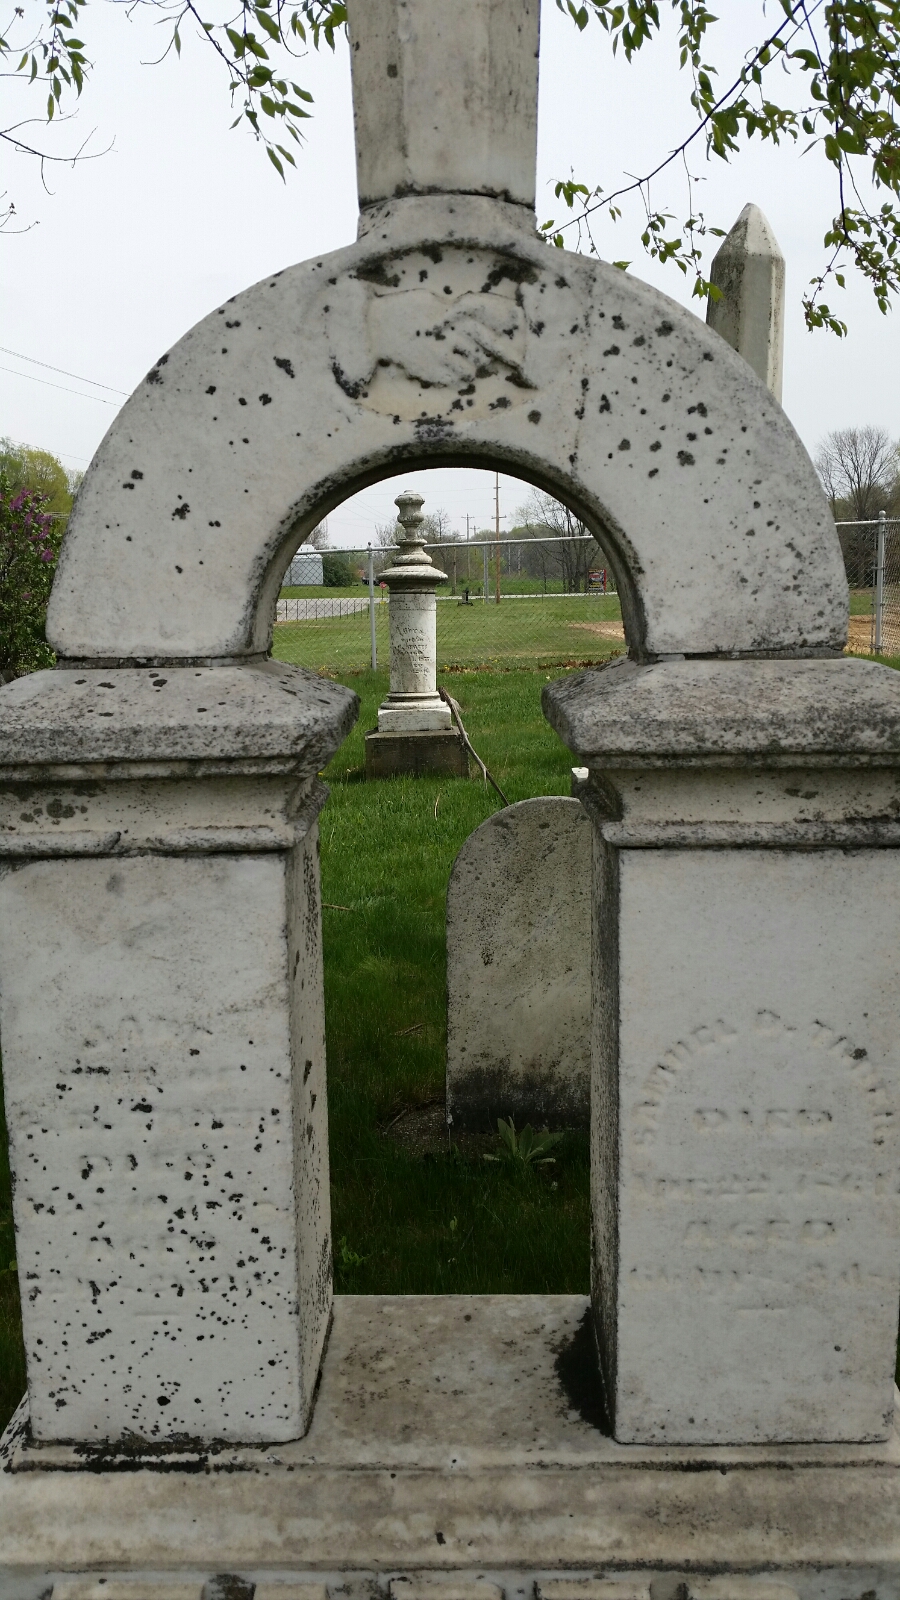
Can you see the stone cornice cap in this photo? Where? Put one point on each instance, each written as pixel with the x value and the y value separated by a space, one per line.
pixel 208 714
pixel 445 97
pixel 729 712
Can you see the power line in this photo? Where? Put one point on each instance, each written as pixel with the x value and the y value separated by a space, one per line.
pixel 61 386
pixel 65 453
pixel 62 372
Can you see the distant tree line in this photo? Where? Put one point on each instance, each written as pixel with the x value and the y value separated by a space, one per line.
pixel 860 472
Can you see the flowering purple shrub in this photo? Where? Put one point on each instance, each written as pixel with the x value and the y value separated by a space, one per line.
pixel 29 547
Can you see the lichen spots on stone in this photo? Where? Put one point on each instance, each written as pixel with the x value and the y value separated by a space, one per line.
pixel 534 416
pixel 664 329
pixel 211 389
pixel 625 444
pixel 284 364
pixel 265 399
pixel 612 351
pixel 685 459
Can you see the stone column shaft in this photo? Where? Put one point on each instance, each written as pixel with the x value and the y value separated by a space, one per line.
pixel 162 1021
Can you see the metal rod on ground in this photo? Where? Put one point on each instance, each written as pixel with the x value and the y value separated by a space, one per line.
pixel 879 583
pixel 456 714
pixel 372 607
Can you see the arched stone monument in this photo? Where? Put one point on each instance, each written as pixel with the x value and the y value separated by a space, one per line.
pixel 160 948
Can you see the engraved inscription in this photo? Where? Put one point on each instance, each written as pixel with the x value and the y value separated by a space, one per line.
pixel 752 1173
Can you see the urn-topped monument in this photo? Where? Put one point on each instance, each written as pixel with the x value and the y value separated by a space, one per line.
pixel 415 733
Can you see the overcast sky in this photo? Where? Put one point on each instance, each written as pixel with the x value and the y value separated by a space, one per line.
pixel 129 250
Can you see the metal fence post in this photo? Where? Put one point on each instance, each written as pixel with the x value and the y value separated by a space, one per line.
pixel 486 578
pixel 372 607
pixel 879 583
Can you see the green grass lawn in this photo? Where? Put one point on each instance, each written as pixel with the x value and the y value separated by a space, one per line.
pixel 445 1224
pixel 535 632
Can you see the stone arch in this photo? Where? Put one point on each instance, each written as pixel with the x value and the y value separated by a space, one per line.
pixel 440 338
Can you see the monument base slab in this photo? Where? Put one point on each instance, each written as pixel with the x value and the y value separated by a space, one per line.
pixel 456 1450
pixel 435 754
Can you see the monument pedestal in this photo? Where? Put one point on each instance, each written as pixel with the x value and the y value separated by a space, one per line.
pixel 455 1441
pixel 745 1061
pixel 436 753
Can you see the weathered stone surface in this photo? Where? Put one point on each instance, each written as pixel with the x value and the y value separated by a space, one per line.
pixel 555 366
pixel 165 1082
pixel 744 1061
pixel 104 1588
pixel 748 269
pixel 468 1417
pixel 165 1092
pixel 289 1589
pixel 440 754
pixel 444 99
pixel 757 1216
pixel 518 968
pixel 262 711
pixel 727 711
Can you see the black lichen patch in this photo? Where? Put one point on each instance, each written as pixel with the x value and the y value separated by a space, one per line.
pixel 285 365
pixel 625 444
pixel 137 475
pixel 181 512
pixel 534 416
pixel 685 459
pixel 352 388
pixel 428 428
pixel 265 399
pixel 604 404
pixel 376 272
pixel 578 1371
pixel 617 322
pixel 664 329
pixel 509 267
pixel 612 351
pixel 211 389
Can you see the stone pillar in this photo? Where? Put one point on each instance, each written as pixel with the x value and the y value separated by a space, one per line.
pixel 746 1048
pixel 164 1048
pixel 470 128
pixel 748 268
pixel 415 732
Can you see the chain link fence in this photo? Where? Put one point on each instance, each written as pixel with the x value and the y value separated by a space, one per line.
pixel 872 558
pixel 507 603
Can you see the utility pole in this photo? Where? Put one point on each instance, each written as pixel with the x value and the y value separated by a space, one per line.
pixel 497 537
